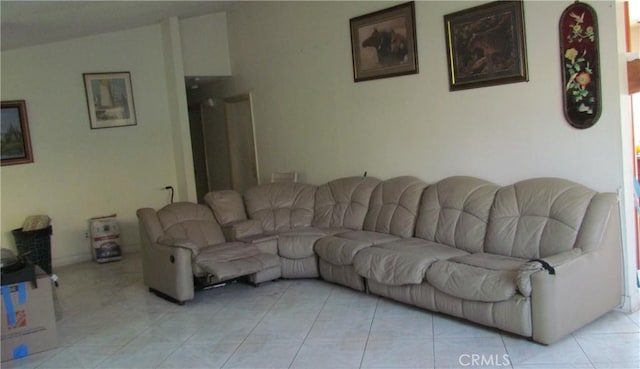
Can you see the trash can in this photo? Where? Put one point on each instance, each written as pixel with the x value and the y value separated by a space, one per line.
pixel 35 246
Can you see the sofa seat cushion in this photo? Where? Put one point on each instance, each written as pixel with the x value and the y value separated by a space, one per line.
pixel 374 238
pixel 297 246
pixel 234 259
pixel 424 247
pixel 242 229
pixel 394 267
pixel 304 231
pixel 333 231
pixel 297 243
pixel 338 250
pixel 472 283
pixel 491 261
pixel 240 267
pixel 229 251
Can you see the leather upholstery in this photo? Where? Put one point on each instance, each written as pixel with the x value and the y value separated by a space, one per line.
pixel 455 212
pixel 343 202
pixel 183 240
pixel 192 222
pixel 537 217
pixel 472 283
pixel 227 206
pixel 393 207
pixel 281 206
pixel 391 267
pixel 339 251
pixel 461 246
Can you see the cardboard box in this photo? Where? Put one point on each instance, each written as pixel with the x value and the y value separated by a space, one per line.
pixel 28 318
pixel 105 239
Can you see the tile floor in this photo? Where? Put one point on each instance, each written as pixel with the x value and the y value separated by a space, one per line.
pixel 107 319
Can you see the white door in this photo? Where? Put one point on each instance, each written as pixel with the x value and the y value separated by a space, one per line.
pixel 242 146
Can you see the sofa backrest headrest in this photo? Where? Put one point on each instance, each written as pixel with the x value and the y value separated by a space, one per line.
pixel 227 206
pixel 195 222
pixel 393 207
pixel 537 217
pixel 455 212
pixel 281 206
pixel 343 202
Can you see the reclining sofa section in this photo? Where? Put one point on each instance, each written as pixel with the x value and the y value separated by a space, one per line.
pixel 539 258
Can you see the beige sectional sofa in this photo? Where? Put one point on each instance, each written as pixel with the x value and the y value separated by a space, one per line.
pixel 539 258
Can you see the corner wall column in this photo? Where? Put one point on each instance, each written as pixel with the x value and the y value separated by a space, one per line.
pixel 179 115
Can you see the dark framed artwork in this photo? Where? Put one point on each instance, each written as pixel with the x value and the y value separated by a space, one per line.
pixel 110 99
pixel 15 147
pixel 383 43
pixel 486 45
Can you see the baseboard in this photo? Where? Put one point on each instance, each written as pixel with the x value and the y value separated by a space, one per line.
pixel 84 257
pixel 70 260
pixel 631 303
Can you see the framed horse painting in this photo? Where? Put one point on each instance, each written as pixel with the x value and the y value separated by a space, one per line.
pixel 486 45
pixel 383 43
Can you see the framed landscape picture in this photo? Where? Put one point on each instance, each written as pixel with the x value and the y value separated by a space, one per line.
pixel 486 45
pixel 110 99
pixel 383 43
pixel 15 147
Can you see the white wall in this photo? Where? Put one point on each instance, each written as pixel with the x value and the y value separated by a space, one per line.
pixel 205 46
pixel 310 116
pixel 295 58
pixel 306 102
pixel 79 173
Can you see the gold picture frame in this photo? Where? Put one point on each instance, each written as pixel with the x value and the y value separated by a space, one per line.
pixel 486 45
pixel 383 43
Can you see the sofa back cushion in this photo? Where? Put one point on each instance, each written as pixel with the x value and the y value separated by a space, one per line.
pixel 455 212
pixel 343 202
pixel 281 206
pixel 393 207
pixel 190 221
pixel 227 206
pixel 537 218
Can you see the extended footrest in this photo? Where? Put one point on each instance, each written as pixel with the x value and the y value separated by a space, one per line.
pixel 225 270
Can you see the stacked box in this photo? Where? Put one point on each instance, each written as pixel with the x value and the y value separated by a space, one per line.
pixel 105 239
pixel 28 318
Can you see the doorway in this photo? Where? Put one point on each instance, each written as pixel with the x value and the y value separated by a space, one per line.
pixel 241 139
pixel 196 129
pixel 222 136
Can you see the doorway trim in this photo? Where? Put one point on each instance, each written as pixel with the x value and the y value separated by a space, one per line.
pixel 244 97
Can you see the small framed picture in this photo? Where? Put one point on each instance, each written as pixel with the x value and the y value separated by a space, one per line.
pixel 383 44
pixel 486 45
pixel 15 147
pixel 110 99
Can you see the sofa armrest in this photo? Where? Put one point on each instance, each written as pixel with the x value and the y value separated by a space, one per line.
pixel 563 257
pixel 581 290
pixel 179 242
pixel 242 229
pixel 548 264
pixel 167 269
pixel 149 224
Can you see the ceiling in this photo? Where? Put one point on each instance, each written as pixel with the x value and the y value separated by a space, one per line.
pixel 28 23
